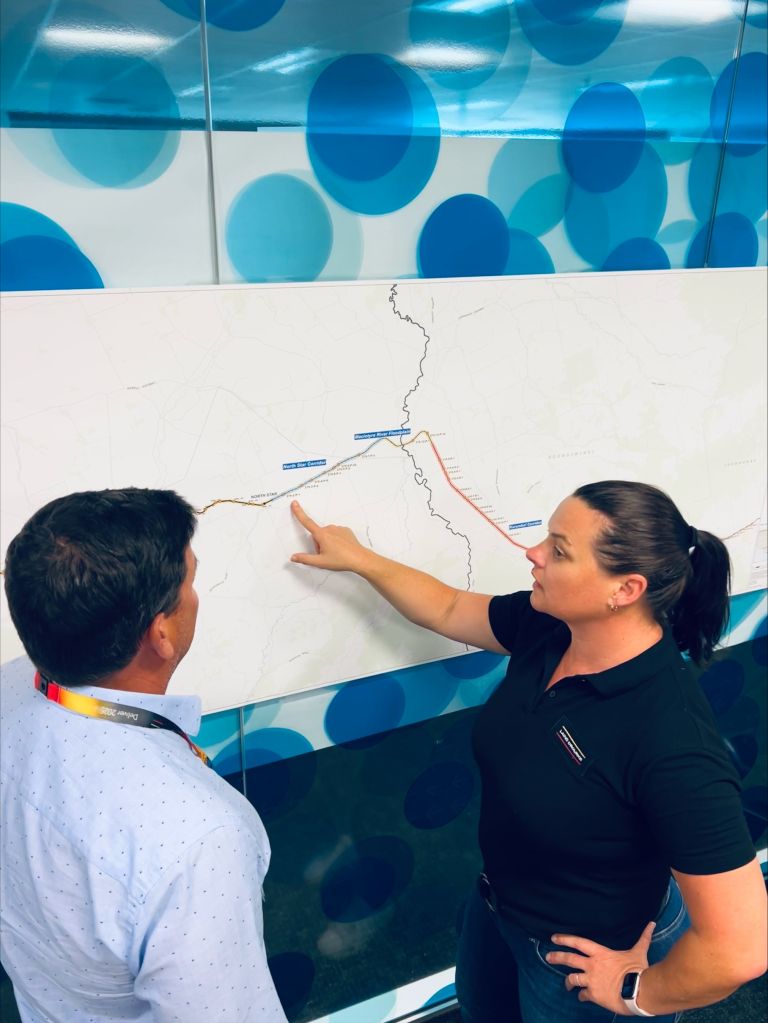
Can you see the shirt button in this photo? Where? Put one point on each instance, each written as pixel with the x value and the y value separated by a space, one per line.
pixel 552 694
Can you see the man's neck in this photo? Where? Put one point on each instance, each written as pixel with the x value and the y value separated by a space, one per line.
pixel 133 680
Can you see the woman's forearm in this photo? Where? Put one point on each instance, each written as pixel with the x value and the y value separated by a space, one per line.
pixel 419 597
pixel 695 972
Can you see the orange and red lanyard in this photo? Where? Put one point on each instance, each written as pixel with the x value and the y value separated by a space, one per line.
pixel 121 713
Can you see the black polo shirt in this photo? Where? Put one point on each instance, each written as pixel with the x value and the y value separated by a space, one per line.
pixel 593 789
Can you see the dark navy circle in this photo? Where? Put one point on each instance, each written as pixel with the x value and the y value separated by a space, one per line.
pixel 748 125
pixel 293 974
pixel 365 711
pixel 364 878
pixel 281 766
pixel 637 254
pixel 722 684
pixel 43 263
pixel 360 116
pixel 734 242
pixel 466 236
pixel 743 750
pixel 604 137
pixel 439 795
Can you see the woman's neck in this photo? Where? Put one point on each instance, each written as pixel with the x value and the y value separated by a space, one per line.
pixel 598 646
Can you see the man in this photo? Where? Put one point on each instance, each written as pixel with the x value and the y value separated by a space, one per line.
pixel 131 873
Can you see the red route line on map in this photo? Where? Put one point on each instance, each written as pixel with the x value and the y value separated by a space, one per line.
pixel 471 503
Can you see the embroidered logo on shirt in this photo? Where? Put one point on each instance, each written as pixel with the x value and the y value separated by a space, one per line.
pixel 563 732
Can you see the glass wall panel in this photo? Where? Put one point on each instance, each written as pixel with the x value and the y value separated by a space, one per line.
pixel 104 172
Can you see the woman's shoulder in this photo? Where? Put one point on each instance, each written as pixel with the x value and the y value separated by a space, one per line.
pixel 512 617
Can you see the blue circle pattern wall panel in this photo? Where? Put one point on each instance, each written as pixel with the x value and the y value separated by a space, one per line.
pixel 431 138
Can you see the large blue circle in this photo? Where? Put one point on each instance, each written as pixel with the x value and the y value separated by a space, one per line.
pixel 342 178
pixel 481 34
pixel 734 242
pixel 569 33
pixel 748 123
pixel 637 254
pixel 466 236
pixel 360 117
pixel 676 102
pixel 43 263
pixel 364 878
pixel 280 769
pixel 109 156
pixel 279 229
pixel 439 795
pixel 603 137
pixel 596 223
pixel 361 711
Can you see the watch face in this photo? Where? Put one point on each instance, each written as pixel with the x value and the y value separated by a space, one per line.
pixel 629 985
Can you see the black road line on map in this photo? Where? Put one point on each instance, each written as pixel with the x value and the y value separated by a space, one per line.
pixel 418 474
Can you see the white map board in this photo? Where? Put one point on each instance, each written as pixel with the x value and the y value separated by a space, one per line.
pixel 443 421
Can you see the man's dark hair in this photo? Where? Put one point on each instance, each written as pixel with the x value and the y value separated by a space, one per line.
pixel 88 573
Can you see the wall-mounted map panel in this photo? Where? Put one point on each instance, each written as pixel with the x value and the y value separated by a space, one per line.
pixel 443 421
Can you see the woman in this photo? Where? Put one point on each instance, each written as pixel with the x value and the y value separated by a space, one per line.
pixel 602 771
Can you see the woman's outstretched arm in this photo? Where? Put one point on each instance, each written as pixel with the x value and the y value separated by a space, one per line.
pixel 419 597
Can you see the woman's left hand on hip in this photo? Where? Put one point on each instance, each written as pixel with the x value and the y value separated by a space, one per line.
pixel 602 969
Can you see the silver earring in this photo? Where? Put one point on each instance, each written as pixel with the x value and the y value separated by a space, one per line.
pixel 613 606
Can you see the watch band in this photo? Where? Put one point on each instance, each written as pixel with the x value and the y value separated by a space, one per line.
pixel 631 999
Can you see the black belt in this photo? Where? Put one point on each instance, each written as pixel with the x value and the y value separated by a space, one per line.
pixel 489 895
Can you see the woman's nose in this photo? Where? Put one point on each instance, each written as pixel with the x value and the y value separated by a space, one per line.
pixel 534 554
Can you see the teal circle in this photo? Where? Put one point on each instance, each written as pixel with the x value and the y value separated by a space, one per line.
pixel 527 255
pixel 278 229
pixel 480 32
pixel 568 32
pixel 675 102
pixel 528 183
pixel 110 156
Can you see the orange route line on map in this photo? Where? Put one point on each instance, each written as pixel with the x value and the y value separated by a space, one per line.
pixel 359 454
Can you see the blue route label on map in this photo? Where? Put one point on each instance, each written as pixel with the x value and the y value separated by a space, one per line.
pixel 305 465
pixel 524 525
pixel 375 434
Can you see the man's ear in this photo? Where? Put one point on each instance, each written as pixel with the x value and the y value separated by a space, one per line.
pixel 631 590
pixel 160 639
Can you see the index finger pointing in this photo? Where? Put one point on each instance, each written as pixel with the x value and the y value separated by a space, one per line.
pixel 298 512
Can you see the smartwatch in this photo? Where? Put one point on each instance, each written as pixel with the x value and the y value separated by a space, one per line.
pixel 629 989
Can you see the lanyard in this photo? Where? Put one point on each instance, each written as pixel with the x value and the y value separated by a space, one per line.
pixel 120 713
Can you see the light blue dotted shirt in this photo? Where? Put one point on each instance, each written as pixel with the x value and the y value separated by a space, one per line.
pixel 130 873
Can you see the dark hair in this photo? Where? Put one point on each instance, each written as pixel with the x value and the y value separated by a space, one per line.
pixel 647 534
pixel 88 573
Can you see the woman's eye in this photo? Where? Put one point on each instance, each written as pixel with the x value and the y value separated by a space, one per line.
pixel 557 552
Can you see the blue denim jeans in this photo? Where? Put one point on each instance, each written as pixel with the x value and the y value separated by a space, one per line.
pixel 503 977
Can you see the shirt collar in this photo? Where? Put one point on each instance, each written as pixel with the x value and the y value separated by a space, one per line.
pixel 626 676
pixel 184 711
